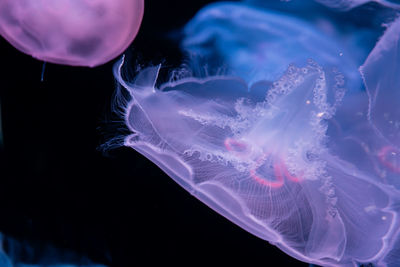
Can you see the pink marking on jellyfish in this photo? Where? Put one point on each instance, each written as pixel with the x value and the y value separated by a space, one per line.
pixel 71 32
pixel 238 147
pixel 391 151
pixel 263 181
pixel 280 170
pixel 288 175
pixel 235 146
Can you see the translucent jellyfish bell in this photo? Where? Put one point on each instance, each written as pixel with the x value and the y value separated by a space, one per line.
pixel 258 44
pixel 71 32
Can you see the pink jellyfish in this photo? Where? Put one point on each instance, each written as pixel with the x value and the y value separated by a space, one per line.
pixel 72 32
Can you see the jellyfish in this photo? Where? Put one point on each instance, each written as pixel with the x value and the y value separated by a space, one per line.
pixel 71 32
pixel 261 158
pixel 298 158
pixel 343 5
pixel 383 85
pixel 349 4
pixel 259 44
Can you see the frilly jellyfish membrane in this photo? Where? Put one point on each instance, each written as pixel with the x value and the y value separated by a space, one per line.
pixel 299 161
pixel 71 32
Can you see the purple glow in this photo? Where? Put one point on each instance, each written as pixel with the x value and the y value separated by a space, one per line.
pixel 71 32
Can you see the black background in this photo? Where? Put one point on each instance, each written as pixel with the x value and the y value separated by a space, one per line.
pixel 119 209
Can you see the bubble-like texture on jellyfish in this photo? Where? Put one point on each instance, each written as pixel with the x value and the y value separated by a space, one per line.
pixel 71 32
